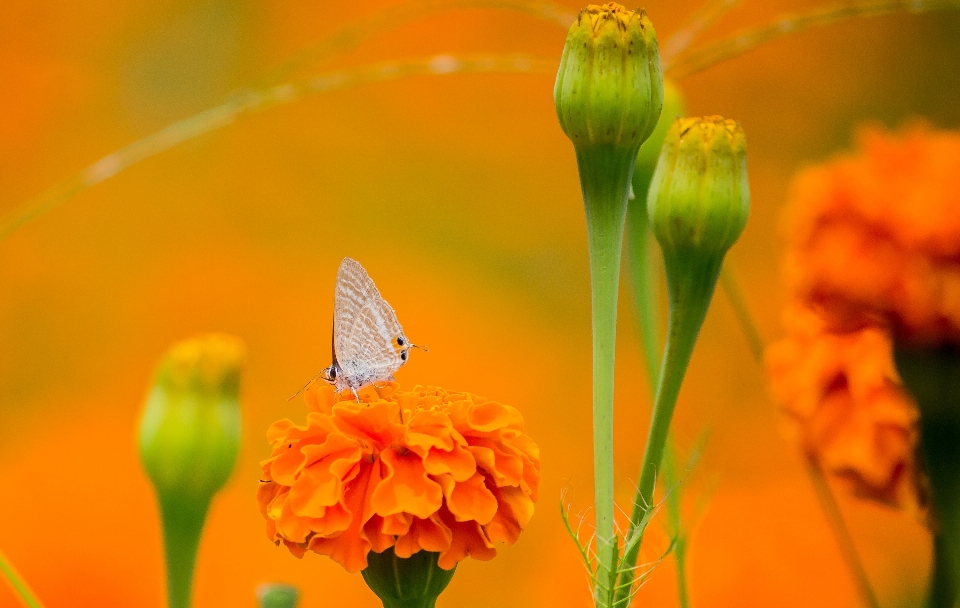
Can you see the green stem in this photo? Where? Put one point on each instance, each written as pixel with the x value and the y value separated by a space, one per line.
pixel 183 521
pixel 848 548
pixel 19 586
pixel 605 181
pixel 644 279
pixel 728 280
pixel 824 493
pixel 671 479
pixel 932 375
pixel 645 283
pixel 943 591
pixel 690 283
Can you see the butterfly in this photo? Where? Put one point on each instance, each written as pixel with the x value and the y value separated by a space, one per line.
pixel 368 342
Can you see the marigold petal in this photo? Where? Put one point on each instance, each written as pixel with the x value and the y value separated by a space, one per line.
pixel 492 416
pixel 406 487
pixel 377 423
pixel 493 459
pixel 397 524
pixel 320 485
pixel 430 429
pixel 458 462
pixel 425 534
pixel 349 549
pixel 289 526
pixel 521 504
pixel 320 397
pixel 373 531
pixel 468 540
pixel 469 500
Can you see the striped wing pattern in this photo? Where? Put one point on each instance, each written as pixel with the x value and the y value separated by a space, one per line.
pixel 366 330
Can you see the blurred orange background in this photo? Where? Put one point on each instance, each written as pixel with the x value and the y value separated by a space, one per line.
pixel 460 196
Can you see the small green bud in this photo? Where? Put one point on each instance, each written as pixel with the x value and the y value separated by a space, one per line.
pixel 673 108
pixel 277 595
pixel 413 582
pixel 699 198
pixel 609 88
pixel 190 429
pixel 189 439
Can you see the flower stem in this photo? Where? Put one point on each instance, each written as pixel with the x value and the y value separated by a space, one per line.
pixel 645 283
pixel 605 174
pixel 19 586
pixel 728 280
pixel 848 549
pixel 932 375
pixel 942 588
pixel 690 283
pixel 183 521
pixel 825 494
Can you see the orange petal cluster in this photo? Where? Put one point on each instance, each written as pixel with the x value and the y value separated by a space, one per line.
pixel 874 238
pixel 873 257
pixel 416 470
pixel 846 407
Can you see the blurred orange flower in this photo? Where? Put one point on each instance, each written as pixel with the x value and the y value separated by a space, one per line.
pixel 875 238
pixel 847 408
pixel 873 256
pixel 425 469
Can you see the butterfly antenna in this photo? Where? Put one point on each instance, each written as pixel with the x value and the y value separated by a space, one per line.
pixel 420 346
pixel 305 387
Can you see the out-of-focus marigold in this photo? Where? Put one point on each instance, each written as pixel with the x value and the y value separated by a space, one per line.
pixel 847 408
pixel 875 238
pixel 426 469
pixel 873 260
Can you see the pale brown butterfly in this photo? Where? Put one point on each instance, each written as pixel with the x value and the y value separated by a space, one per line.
pixel 368 342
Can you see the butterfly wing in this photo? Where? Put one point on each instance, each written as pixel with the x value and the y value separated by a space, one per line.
pixel 354 290
pixel 372 351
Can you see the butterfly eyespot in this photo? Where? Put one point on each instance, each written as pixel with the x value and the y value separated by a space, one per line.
pixel 403 355
pixel 400 341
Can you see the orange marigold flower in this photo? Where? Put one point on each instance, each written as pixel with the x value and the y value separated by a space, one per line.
pixel 416 470
pixel 875 238
pixel 847 408
pixel 873 259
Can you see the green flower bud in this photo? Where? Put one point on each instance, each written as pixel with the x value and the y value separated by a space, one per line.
pixel 673 108
pixel 609 88
pixel 699 198
pixel 190 429
pixel 608 97
pixel 697 206
pixel 189 439
pixel 413 582
pixel 277 595
pixel 642 255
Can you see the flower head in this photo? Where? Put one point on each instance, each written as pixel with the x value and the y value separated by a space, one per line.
pixel 847 407
pixel 190 426
pixel 425 469
pixel 874 238
pixel 699 198
pixel 609 89
pixel 873 264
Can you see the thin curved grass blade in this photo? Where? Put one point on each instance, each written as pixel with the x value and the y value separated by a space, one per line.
pixel 255 101
pixel 747 40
